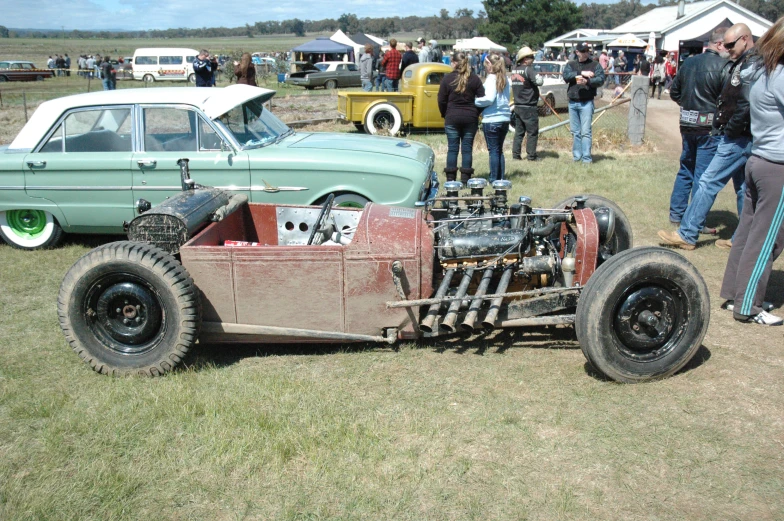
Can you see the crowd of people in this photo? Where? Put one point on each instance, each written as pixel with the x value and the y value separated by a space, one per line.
pixel 732 128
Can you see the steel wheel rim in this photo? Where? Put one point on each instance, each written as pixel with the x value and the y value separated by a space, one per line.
pixel 383 120
pixel 648 320
pixel 27 224
pixel 125 313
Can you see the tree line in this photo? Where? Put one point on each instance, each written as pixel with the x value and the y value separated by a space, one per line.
pixel 510 22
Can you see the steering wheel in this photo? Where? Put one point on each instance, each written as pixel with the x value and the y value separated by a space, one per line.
pixel 322 218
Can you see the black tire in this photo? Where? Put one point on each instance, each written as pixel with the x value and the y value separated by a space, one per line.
pixel 3 79
pixel 383 119
pixel 623 238
pixel 30 229
pixel 643 315
pixel 148 78
pixel 331 84
pixel 39 78
pixel 544 110
pixel 159 309
pixel 191 78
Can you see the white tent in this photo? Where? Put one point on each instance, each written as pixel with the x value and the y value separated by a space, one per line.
pixel 477 43
pixel 378 40
pixel 341 37
pixel 627 40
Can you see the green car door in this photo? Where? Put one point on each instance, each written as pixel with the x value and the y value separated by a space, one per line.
pixel 170 133
pixel 84 167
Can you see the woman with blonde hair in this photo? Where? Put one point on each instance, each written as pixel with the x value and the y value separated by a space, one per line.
pixel 496 114
pixel 456 95
pixel 759 239
pixel 245 71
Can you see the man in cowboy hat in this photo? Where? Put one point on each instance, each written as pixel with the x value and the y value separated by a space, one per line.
pixel 525 90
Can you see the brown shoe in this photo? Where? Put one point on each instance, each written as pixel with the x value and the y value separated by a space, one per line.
pixel 674 239
pixel 724 244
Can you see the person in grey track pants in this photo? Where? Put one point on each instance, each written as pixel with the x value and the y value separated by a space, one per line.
pixel 759 239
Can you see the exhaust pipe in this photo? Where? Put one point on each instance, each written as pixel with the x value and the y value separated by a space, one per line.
pixel 473 309
pixel 495 304
pixel 451 315
pixel 427 324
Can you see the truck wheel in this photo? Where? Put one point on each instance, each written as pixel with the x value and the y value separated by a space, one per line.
pixel 642 315
pixel 330 84
pixel 623 238
pixel 30 229
pixel 39 78
pixel 148 78
pixel 383 119
pixel 129 308
pixel 192 78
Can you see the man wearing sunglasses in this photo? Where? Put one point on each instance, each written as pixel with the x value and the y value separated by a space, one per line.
pixel 731 123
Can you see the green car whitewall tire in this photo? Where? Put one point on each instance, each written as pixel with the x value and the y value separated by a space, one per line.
pixel 29 229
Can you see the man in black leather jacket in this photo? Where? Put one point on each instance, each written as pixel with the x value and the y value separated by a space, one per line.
pixel 730 124
pixel 696 89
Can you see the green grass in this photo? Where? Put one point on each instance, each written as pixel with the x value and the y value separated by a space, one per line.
pixel 512 426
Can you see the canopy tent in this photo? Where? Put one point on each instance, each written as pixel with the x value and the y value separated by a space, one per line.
pixel 650 50
pixel 323 46
pixel 726 24
pixel 363 39
pixel 479 43
pixel 342 38
pixel 628 40
pixel 378 40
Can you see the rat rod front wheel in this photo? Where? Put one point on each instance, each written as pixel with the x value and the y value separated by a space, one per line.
pixel 642 315
pixel 129 308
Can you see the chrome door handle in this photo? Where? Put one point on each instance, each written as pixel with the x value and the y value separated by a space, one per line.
pixel 147 162
pixel 36 164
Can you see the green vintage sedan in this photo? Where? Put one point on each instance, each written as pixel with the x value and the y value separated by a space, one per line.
pixel 86 163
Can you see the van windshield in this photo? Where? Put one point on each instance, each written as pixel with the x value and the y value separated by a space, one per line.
pixel 252 126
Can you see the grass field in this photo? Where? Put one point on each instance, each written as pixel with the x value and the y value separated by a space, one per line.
pixel 515 425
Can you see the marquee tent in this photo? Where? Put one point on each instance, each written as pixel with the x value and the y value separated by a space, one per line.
pixel 342 38
pixel 477 43
pixel 323 45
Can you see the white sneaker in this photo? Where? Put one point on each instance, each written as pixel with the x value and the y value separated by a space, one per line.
pixel 730 306
pixel 766 319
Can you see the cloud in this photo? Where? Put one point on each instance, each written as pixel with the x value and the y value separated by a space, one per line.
pixel 97 15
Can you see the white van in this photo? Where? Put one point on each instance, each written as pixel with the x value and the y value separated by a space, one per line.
pixel 162 63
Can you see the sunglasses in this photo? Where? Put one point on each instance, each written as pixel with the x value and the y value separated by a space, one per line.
pixel 729 46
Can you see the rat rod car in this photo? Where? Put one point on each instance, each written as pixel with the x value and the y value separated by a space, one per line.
pixel 463 262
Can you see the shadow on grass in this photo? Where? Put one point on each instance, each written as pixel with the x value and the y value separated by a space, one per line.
pixel 725 220
pixel 205 356
pixel 90 241
pixel 702 355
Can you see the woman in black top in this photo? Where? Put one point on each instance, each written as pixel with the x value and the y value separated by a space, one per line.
pixel 456 97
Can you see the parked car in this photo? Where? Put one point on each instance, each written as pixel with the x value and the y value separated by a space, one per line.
pixel 85 163
pixel 15 70
pixel 415 105
pixel 554 88
pixel 269 273
pixel 264 64
pixel 329 75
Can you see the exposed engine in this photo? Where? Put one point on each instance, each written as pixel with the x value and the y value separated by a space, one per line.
pixel 494 256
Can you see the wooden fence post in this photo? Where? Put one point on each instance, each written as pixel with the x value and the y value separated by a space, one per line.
pixel 638 109
pixel 24 102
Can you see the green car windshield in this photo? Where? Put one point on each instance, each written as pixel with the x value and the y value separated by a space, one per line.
pixel 252 126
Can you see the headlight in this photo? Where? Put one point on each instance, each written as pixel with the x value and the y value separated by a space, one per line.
pixel 605 219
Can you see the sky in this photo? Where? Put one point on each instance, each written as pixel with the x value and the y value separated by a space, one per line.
pixel 97 15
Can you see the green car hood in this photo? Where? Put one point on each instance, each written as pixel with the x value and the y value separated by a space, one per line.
pixel 362 143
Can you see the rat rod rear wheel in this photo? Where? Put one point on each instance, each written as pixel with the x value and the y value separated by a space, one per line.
pixel 642 315
pixel 129 308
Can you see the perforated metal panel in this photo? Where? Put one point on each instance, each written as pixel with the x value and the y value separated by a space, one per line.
pixel 295 224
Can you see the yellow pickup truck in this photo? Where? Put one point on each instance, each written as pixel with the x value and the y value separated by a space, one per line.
pixel 386 113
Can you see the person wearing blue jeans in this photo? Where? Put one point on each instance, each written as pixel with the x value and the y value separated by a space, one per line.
pixel 456 102
pixel 496 114
pixel 698 150
pixel 731 123
pixel 580 116
pixel 696 89
pixel 583 76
